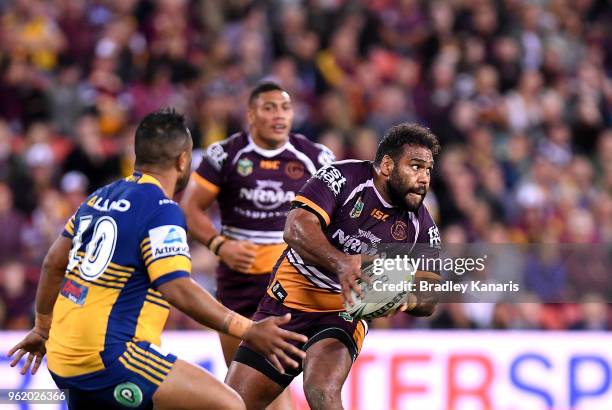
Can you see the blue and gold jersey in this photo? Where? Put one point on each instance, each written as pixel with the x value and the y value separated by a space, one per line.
pixel 127 239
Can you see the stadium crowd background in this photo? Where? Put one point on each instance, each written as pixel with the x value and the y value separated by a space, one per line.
pixel 519 93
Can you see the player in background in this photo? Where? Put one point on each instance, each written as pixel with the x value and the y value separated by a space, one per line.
pixel 254 176
pixel 347 208
pixel 108 282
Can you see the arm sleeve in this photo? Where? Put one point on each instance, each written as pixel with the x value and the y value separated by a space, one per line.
pixel 325 157
pixel 164 248
pixel 210 172
pixel 68 231
pixel 321 193
pixel 428 243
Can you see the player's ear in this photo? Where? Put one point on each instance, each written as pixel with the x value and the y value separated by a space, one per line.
pixel 251 113
pixel 183 161
pixel 386 165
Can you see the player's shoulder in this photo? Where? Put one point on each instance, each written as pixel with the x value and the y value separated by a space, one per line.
pixel 168 209
pixel 428 227
pixel 353 169
pixel 97 200
pixel 163 211
pixel 318 153
pixel 349 172
pixel 144 194
pixel 423 215
pixel 218 152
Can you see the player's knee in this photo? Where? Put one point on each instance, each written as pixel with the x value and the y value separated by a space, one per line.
pixel 322 396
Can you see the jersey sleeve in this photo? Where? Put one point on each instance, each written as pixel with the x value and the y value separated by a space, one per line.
pixel 210 172
pixel 68 231
pixel 164 249
pixel 325 156
pixel 321 194
pixel 429 243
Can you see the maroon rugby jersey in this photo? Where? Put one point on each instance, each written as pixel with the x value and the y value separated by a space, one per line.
pixel 255 188
pixel 355 219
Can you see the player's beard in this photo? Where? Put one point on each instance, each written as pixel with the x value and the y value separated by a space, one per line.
pixel 398 192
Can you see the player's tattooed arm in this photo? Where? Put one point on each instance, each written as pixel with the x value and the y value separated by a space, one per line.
pixel 304 234
pixel 53 269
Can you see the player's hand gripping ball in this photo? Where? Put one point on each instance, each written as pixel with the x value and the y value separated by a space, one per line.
pixel 387 291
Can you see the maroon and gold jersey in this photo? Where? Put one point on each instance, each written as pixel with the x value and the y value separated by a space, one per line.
pixel 356 220
pixel 255 188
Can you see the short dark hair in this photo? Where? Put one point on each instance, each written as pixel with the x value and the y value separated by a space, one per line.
pixel 161 136
pixel 264 87
pixel 402 134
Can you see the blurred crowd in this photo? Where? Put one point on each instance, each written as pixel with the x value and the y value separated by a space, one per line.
pixel 518 91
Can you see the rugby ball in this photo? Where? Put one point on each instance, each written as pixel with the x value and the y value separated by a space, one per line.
pixel 385 293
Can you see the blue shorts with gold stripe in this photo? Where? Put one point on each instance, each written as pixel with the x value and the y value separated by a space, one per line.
pixel 128 383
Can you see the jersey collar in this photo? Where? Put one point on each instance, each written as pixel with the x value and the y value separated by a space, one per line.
pixel 141 178
pixel 268 153
pixel 378 194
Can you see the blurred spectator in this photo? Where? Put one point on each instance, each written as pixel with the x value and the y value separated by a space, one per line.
pixel 13 225
pixel 594 314
pixel 30 30
pixel 17 295
pixel 545 275
pixel 390 108
pixel 452 316
pixel 90 156
pixel 14 171
pixel 74 187
pixel 48 220
pixel 40 159
pixel 67 99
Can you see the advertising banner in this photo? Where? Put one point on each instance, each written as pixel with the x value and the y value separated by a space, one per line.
pixel 426 370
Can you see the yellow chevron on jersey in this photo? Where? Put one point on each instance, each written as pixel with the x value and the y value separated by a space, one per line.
pixel 127 239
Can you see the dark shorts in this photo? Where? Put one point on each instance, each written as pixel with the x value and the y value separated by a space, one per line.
pixel 315 325
pixel 127 383
pixel 240 292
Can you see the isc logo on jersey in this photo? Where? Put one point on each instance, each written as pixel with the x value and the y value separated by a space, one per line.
pixel 168 240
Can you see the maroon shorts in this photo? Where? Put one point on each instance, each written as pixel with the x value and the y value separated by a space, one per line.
pixel 240 292
pixel 315 325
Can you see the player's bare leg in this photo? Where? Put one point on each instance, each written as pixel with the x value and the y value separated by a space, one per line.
pixel 188 387
pixel 256 389
pixel 283 402
pixel 326 367
pixel 229 345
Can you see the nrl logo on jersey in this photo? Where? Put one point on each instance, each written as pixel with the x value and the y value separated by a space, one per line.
pixel 168 240
pixel 365 242
pixel 245 167
pixel 267 195
pixel 357 209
